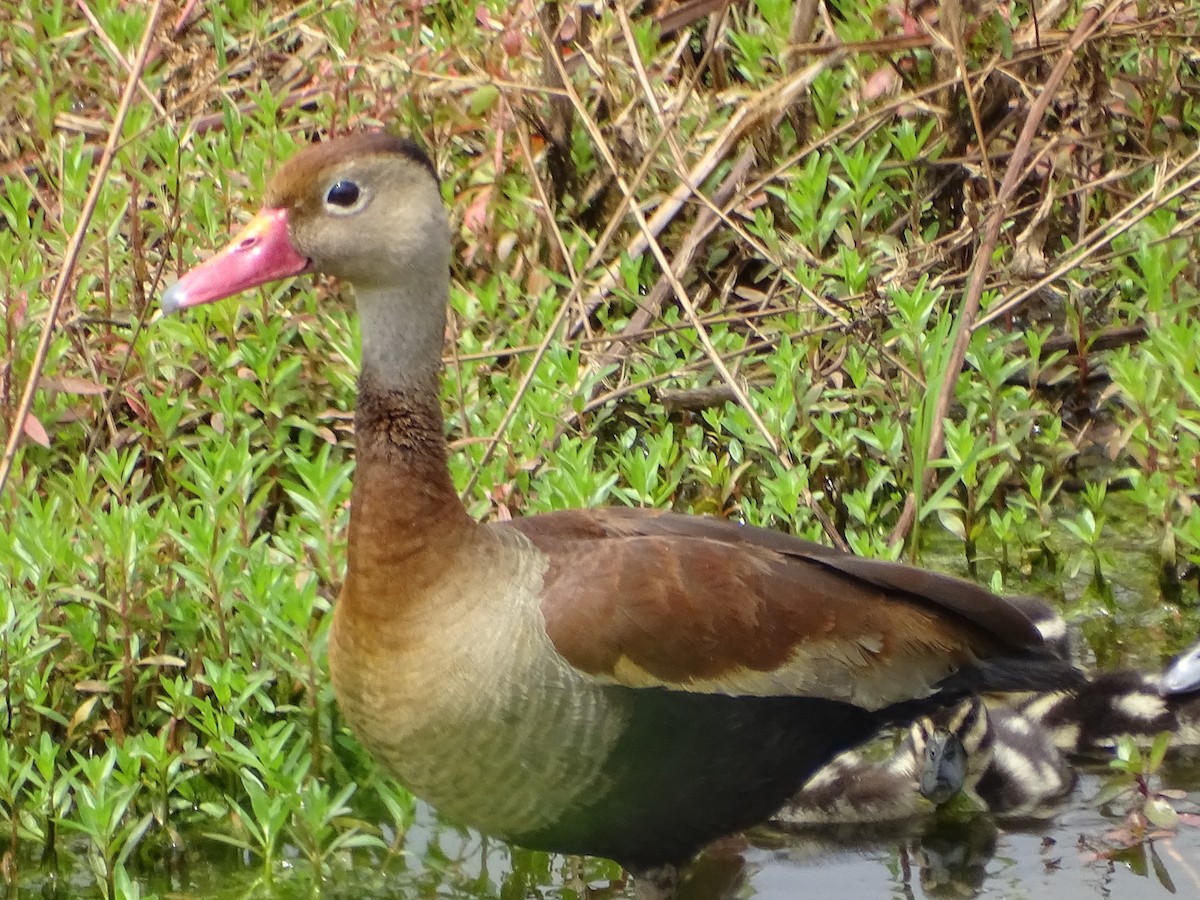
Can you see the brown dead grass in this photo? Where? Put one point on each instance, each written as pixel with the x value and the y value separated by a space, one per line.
pixel 1044 146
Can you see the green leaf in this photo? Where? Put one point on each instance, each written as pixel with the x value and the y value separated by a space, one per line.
pixel 1161 813
pixel 483 99
pixel 1111 789
pixel 953 523
pixel 1158 750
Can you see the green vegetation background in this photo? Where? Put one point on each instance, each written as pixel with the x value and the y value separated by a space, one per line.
pixel 171 531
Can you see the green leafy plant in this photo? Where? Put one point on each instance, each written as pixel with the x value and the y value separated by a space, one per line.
pixel 172 529
pixel 1148 810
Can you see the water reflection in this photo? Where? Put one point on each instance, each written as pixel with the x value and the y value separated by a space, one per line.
pixel 1073 856
pixel 943 858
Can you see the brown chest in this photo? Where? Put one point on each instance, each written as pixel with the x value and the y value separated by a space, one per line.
pixel 468 705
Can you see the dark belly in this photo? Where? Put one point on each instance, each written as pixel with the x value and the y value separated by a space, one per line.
pixel 690 768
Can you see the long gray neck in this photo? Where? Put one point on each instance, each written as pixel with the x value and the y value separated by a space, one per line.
pixel 403 327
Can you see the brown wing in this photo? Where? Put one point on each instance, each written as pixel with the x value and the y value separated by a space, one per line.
pixel 651 598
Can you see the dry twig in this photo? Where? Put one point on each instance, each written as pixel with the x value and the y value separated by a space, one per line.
pixel 1089 22
pixel 76 243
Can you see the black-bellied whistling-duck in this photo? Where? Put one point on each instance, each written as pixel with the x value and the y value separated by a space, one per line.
pixel 625 683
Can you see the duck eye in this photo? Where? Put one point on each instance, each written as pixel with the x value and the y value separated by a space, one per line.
pixel 343 193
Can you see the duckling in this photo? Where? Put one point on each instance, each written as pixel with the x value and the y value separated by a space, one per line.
pixel 1022 767
pixel 1049 623
pixel 1091 718
pixel 1025 747
pixel 944 757
pixel 997 760
pixel 1018 770
pixel 856 788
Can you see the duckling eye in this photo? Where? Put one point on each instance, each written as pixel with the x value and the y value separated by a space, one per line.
pixel 343 194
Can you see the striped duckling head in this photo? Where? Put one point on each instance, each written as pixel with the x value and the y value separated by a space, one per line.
pixel 954 752
pixel 1000 761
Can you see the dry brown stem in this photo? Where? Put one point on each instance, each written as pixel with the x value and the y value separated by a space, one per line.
pixel 64 280
pixel 999 213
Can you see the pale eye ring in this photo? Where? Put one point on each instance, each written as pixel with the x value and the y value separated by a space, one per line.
pixel 344 196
